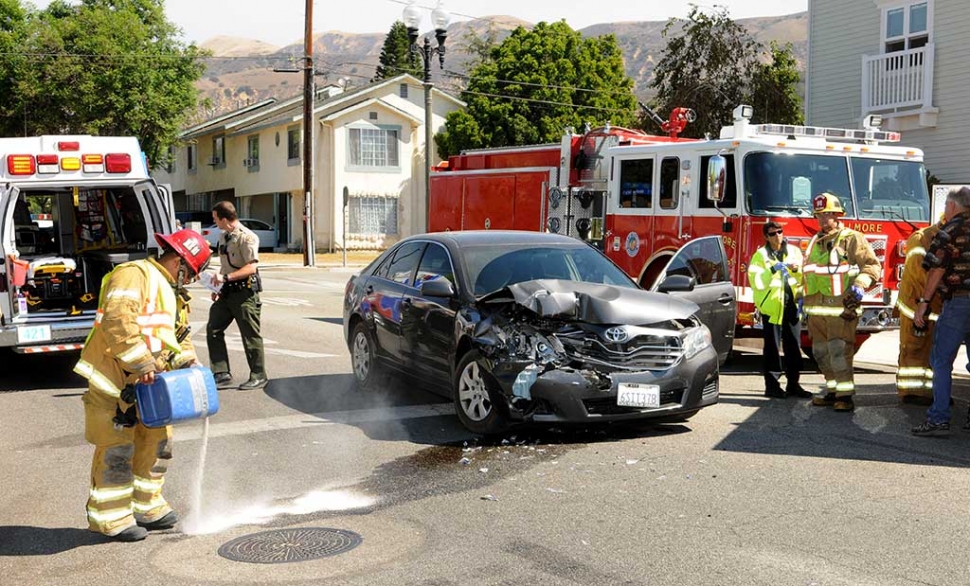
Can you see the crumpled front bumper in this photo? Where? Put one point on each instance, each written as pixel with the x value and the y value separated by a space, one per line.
pixel 569 395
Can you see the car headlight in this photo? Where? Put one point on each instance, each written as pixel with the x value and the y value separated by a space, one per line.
pixel 695 339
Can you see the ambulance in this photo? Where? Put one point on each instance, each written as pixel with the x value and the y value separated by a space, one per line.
pixel 71 209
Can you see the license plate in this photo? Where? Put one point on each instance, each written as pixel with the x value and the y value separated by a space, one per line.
pixel 638 395
pixel 32 334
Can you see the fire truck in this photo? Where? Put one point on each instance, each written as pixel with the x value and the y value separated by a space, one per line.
pixel 640 197
pixel 71 209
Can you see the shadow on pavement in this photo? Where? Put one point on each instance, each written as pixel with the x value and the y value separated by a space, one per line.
pixel 26 541
pixel 31 372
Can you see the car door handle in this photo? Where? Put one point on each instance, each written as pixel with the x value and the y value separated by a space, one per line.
pixel 406 301
pixel 369 289
pixel 725 299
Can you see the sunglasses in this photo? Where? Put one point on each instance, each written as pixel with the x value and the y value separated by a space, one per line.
pixel 775 233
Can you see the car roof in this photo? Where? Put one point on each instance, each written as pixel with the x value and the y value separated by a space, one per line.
pixel 491 237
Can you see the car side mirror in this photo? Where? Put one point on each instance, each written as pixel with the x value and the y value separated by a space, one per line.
pixel 675 283
pixel 437 287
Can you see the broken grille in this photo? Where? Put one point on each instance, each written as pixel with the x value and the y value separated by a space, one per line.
pixel 639 353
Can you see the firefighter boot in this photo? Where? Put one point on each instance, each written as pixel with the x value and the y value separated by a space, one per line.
pixel 133 533
pixel 166 522
pixel 826 400
pixel 844 403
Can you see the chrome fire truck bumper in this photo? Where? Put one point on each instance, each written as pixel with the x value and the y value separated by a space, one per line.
pixel 877 318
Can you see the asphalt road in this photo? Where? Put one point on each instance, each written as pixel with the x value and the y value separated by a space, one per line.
pixel 750 491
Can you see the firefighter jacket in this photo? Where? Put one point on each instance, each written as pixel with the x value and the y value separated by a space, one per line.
pixel 135 328
pixel 837 260
pixel 769 285
pixel 914 275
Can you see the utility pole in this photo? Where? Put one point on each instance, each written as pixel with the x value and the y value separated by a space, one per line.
pixel 309 95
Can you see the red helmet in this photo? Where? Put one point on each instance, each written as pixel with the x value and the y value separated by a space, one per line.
pixel 190 245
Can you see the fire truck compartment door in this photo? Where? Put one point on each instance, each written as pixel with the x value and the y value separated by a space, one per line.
pixel 705 261
pixel 489 203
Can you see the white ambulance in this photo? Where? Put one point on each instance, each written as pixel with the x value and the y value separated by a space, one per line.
pixel 71 209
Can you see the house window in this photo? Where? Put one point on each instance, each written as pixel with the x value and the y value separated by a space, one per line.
pixel 218 152
pixel 172 155
pixel 373 147
pixel 404 91
pixel 906 26
pixel 252 153
pixel 191 157
pixel 293 144
pixel 372 215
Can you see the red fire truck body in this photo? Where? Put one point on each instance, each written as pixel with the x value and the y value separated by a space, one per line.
pixel 640 197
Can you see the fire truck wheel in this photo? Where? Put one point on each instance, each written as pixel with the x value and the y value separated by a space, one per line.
pixel 479 404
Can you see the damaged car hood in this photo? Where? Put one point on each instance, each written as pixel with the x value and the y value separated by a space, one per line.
pixel 592 302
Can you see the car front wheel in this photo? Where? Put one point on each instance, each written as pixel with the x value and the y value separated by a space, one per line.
pixel 477 401
pixel 363 356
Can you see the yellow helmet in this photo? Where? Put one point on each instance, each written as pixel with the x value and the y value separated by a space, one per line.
pixel 826 202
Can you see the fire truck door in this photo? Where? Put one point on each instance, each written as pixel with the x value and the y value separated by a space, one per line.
pixel 674 190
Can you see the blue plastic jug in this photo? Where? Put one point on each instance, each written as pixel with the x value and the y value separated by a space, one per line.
pixel 178 395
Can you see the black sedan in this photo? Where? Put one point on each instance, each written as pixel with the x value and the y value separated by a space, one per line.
pixel 523 326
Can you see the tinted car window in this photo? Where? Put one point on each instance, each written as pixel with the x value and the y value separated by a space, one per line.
pixel 435 263
pixel 494 267
pixel 405 260
pixel 701 260
pixel 255 225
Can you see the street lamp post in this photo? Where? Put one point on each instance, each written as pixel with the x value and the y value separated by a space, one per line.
pixel 439 19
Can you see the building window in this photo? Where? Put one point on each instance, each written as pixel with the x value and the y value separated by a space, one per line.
pixel 191 159
pixel 218 152
pixel 372 215
pixel 404 91
pixel 373 147
pixel 172 156
pixel 906 26
pixel 252 153
pixel 293 144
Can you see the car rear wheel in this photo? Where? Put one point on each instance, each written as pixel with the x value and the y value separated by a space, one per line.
pixel 477 402
pixel 363 356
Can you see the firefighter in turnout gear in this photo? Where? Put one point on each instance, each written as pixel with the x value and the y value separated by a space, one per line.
pixel 142 327
pixel 914 377
pixel 839 266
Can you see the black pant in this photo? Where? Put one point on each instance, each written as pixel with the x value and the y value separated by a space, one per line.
pixel 788 332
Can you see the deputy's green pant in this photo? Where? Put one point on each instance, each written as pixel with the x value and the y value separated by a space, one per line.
pixel 244 307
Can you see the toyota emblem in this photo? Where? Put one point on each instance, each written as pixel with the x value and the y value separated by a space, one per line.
pixel 616 334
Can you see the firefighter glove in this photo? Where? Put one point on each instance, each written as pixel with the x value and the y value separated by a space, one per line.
pixel 778 266
pixel 857 291
pixel 128 394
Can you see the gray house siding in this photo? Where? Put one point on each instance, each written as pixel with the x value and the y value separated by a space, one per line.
pixel 841 32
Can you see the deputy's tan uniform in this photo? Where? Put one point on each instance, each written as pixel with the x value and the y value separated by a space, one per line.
pixel 136 332
pixel 914 377
pixel 239 301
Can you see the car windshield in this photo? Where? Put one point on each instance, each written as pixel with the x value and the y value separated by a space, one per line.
pixel 490 268
pixel 782 184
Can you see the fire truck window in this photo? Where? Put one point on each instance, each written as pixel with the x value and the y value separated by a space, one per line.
pixel 669 183
pixel 636 183
pixel 730 190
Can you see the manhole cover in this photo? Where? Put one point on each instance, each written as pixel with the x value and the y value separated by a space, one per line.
pixel 289 545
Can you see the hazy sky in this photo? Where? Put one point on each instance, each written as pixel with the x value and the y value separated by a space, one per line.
pixel 281 22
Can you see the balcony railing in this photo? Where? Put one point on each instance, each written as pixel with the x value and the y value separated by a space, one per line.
pixel 898 81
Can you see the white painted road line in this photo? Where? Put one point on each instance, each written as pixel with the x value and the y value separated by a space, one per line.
pixel 304 420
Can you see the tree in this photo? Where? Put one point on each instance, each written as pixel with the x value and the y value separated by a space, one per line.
pixel 705 68
pixel 108 67
pixel 773 92
pixel 396 55
pixel 535 84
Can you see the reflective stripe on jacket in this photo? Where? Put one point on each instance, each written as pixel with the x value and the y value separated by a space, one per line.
pixel 838 260
pixel 137 316
pixel 914 275
pixel 768 286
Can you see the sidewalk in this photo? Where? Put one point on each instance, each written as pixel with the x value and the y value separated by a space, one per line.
pixel 356 260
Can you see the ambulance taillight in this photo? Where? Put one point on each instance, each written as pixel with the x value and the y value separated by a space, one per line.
pixel 21 165
pixel 47 164
pixel 117 163
pixel 68 145
pixel 92 163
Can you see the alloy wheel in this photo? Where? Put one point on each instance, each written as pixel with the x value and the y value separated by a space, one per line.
pixel 362 356
pixel 473 393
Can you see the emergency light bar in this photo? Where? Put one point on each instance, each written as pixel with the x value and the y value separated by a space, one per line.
pixel 49 164
pixel 828 133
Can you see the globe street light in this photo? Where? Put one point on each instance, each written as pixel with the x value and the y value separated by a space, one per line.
pixel 439 19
